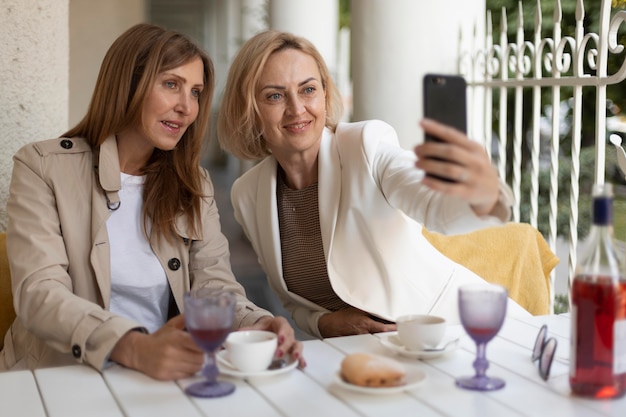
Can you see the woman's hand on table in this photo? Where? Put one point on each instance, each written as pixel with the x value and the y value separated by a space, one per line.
pixel 287 343
pixel 170 353
pixel 351 321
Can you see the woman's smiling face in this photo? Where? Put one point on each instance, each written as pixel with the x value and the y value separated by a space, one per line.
pixel 292 102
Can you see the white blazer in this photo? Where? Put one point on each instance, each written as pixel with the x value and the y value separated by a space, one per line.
pixel 372 205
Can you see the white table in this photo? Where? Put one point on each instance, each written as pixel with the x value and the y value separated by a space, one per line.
pixel 80 391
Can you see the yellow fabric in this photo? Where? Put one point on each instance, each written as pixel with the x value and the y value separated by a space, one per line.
pixel 7 313
pixel 514 255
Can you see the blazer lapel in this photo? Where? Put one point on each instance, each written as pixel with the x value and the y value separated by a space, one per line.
pixel 267 217
pixel 329 188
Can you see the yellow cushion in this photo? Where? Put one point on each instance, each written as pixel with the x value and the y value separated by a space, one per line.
pixel 7 313
pixel 514 255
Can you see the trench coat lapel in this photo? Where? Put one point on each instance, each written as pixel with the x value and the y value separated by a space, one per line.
pixel 107 179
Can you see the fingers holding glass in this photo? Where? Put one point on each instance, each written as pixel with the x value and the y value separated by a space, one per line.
pixel 209 318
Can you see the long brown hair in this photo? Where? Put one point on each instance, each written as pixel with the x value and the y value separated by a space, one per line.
pixel 173 183
pixel 238 125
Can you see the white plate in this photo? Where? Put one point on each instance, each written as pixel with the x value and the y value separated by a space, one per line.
pixel 392 342
pixel 227 368
pixel 414 378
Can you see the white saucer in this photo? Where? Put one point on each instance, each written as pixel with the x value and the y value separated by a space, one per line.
pixel 227 368
pixel 392 342
pixel 414 378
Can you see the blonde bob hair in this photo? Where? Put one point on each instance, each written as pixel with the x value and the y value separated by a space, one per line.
pixel 239 126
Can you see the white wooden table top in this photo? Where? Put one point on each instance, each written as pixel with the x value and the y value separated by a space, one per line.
pixel 80 391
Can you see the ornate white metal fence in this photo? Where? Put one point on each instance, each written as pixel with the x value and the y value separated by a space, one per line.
pixel 496 70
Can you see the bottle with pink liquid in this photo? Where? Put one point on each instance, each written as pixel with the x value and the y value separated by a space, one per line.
pixel 598 310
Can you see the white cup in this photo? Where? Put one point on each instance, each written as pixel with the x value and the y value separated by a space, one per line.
pixel 420 331
pixel 251 350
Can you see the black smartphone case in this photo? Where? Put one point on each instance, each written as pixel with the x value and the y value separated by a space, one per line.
pixel 445 100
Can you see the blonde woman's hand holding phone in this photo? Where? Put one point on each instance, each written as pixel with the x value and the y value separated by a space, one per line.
pixel 455 156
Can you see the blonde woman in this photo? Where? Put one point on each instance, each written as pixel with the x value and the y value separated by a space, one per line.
pixel 335 210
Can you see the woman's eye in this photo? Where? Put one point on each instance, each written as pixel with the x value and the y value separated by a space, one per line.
pixel 196 93
pixel 309 90
pixel 274 96
pixel 170 84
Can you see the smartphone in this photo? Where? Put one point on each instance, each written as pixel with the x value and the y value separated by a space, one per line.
pixel 445 101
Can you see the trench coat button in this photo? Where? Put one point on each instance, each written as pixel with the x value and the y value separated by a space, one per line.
pixel 174 264
pixel 66 144
pixel 186 240
pixel 76 351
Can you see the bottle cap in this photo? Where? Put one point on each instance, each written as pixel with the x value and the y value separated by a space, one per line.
pixel 602 211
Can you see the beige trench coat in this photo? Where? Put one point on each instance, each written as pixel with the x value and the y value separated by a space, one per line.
pixel 58 251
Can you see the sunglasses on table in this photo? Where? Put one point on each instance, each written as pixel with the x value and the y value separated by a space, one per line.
pixel 544 352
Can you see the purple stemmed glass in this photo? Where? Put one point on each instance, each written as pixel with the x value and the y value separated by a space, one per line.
pixel 209 318
pixel 482 308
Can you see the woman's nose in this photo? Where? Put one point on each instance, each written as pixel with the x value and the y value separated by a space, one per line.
pixel 295 105
pixel 184 103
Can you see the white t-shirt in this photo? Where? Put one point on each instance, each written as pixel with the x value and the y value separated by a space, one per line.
pixel 139 287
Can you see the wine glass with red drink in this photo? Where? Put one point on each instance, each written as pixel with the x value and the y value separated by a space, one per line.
pixel 482 308
pixel 209 317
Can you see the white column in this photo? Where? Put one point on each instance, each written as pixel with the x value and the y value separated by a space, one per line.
pixel 317 21
pixel 94 26
pixel 253 18
pixel 394 43
pixel 34 63
pixel 221 40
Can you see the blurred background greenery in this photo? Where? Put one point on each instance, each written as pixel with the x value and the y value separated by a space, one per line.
pixel 616 101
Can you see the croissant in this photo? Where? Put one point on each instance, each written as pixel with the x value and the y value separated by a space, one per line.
pixel 369 370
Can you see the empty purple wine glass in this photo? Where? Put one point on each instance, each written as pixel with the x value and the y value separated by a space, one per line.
pixel 209 318
pixel 482 308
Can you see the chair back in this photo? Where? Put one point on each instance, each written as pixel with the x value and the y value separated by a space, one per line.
pixel 7 312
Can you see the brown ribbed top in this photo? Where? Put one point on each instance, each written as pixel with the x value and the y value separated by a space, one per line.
pixel 304 266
